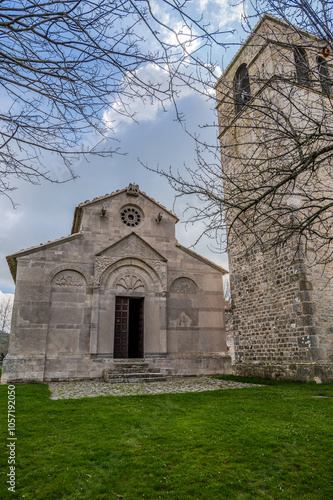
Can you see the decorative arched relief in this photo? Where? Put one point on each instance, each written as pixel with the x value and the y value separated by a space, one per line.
pixel 69 279
pixel 130 275
pixel 66 271
pixel 107 269
pixel 130 283
pixel 183 285
pixel 130 248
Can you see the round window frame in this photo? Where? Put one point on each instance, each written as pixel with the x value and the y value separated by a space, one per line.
pixel 135 210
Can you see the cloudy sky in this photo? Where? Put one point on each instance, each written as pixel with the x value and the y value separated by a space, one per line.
pixel 44 212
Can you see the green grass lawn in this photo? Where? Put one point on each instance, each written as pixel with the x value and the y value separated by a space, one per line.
pixel 262 443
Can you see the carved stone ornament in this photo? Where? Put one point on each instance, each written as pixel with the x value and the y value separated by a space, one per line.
pixel 183 285
pixel 101 264
pixel 130 248
pixel 133 190
pixel 68 278
pixel 130 216
pixel 130 283
pixel 183 321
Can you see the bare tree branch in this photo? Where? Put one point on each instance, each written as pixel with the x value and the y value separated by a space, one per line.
pixel 276 131
pixel 63 64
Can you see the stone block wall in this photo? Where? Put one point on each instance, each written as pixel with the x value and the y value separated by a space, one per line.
pixel 282 312
pixel 278 317
pixel 65 324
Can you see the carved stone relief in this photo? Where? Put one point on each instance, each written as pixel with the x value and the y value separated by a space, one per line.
pixel 131 248
pixel 161 270
pixel 102 263
pixel 130 283
pixel 70 270
pixel 183 321
pixel 183 285
pixel 69 279
pixel 133 189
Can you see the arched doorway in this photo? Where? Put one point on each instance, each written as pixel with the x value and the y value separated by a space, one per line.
pixel 129 327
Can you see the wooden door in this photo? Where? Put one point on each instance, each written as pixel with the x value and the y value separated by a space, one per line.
pixel 135 329
pixel 140 353
pixel 121 328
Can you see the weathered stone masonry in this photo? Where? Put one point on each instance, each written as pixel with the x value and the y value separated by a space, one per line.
pixel 119 287
pixel 282 307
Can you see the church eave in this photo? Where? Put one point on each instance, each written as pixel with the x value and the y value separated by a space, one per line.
pixel 202 259
pixel 12 259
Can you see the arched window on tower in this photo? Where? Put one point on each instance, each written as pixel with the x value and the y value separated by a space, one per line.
pixel 242 92
pixel 323 75
pixel 302 67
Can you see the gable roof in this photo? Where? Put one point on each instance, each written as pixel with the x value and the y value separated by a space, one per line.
pixel 202 259
pixel 12 259
pixel 78 209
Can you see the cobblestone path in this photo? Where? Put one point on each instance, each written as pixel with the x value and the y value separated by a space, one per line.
pixel 93 388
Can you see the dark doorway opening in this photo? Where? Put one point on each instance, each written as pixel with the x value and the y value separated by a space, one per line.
pixel 129 327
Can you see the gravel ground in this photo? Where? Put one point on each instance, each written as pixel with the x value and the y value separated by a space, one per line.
pixel 93 388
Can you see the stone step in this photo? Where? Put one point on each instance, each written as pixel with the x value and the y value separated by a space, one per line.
pixel 122 380
pixel 112 374
pixel 134 369
pixel 132 372
pixel 120 366
pixel 130 361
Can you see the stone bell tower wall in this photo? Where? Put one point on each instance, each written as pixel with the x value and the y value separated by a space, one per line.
pixel 282 304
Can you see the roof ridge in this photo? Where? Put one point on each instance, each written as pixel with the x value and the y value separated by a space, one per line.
pixel 118 191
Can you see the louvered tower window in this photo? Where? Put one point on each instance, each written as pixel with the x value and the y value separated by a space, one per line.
pixel 302 67
pixel 242 91
pixel 323 75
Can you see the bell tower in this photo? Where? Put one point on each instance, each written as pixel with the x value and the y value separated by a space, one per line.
pixel 272 103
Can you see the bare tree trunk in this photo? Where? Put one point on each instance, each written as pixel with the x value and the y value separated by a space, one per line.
pixel 6 308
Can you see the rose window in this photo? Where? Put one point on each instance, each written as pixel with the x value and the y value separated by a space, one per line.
pixel 130 216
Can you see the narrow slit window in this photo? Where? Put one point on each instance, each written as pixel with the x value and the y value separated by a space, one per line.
pixel 302 67
pixel 323 76
pixel 242 91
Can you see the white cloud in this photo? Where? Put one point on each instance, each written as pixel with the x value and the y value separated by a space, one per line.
pixel 182 36
pixel 143 108
pixel 221 12
pixel 9 219
pixel 182 40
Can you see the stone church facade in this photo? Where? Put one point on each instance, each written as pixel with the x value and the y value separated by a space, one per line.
pixel 282 305
pixel 119 287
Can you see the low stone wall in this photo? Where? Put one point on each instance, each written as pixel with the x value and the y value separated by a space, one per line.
pixel 302 372
pixel 19 369
pixel 192 364
pixel 70 368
